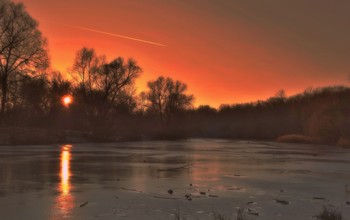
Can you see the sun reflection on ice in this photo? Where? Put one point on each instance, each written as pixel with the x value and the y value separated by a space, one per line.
pixel 65 170
pixel 65 200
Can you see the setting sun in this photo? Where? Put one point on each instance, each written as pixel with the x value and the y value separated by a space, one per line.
pixel 67 100
pixel 141 109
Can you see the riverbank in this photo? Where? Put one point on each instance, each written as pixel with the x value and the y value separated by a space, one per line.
pixel 34 136
pixel 303 139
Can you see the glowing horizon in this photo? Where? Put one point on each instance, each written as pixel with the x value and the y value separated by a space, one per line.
pixel 228 52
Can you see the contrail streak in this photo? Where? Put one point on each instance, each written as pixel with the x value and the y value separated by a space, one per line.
pixel 120 36
pixel 114 35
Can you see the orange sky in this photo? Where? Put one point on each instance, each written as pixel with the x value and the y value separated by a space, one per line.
pixel 226 51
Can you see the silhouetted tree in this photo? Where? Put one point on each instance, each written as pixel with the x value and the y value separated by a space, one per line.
pixel 34 92
pixel 206 110
pixel 142 104
pixel 126 101
pixel 116 76
pixel 167 97
pixel 281 94
pixel 177 100
pixel 86 67
pixel 22 47
pixel 58 87
pixel 157 96
pixel 103 90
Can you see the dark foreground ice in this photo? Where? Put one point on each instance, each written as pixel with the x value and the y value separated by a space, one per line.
pixel 193 179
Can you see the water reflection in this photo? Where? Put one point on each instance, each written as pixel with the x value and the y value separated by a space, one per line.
pixel 65 200
pixel 65 170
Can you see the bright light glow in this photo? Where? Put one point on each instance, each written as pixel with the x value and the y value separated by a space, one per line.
pixel 67 100
pixel 65 169
pixel 65 200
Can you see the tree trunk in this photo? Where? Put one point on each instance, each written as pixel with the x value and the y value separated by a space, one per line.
pixel 4 91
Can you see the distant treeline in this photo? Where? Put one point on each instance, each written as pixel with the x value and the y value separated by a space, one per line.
pixel 322 113
pixel 106 106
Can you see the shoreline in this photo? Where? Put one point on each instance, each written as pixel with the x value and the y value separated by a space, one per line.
pixel 39 136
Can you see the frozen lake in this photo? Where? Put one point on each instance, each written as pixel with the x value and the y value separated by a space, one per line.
pixel 193 179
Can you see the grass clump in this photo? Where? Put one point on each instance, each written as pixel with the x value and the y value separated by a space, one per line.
pixel 329 214
pixel 240 216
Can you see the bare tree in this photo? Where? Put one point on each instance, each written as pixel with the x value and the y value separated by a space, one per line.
pixel 177 100
pixel 104 86
pixel 157 96
pixel 281 94
pixel 167 97
pixel 58 87
pixel 85 68
pixel 33 93
pixel 116 76
pixel 22 46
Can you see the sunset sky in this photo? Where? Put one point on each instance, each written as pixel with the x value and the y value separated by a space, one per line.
pixel 226 51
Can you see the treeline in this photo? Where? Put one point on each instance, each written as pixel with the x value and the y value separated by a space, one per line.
pixel 321 113
pixel 106 106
